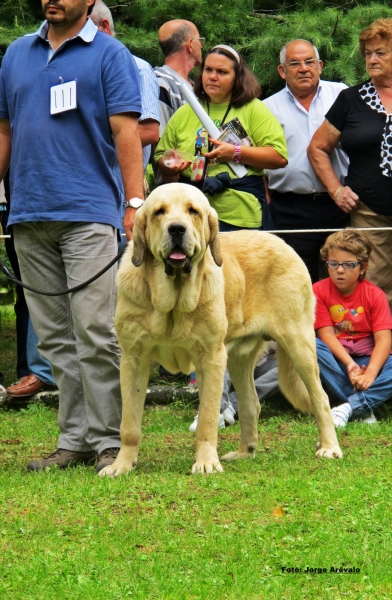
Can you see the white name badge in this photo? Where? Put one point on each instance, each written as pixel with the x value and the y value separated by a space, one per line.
pixel 62 97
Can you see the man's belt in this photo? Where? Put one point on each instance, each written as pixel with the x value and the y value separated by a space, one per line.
pixel 317 197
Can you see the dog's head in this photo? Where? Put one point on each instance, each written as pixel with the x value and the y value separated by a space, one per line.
pixel 176 224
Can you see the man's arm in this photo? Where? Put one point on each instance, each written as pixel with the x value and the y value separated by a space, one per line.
pixel 5 147
pixel 124 127
pixel 148 132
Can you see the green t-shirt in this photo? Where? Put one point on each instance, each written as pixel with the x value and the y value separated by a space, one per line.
pixel 184 132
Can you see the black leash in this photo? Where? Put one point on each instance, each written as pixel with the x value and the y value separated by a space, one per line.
pixel 12 278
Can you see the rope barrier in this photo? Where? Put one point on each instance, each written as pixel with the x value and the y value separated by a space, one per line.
pixel 279 231
pixel 9 275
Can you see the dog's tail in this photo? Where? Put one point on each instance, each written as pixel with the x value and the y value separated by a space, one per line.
pixel 290 382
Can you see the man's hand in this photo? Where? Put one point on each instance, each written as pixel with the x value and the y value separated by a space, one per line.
pixel 129 222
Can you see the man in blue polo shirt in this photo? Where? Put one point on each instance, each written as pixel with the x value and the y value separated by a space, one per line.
pixel 70 102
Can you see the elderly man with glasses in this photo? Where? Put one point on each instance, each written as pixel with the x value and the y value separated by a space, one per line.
pixel 298 198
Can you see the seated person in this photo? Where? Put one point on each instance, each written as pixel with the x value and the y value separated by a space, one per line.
pixel 353 326
pixel 266 384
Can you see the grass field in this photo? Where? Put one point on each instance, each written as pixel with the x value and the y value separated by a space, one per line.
pixel 162 533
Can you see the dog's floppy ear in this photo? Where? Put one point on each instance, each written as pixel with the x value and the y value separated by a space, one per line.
pixel 214 241
pixel 139 240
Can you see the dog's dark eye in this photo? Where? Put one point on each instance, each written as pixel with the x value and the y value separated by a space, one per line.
pixel 193 211
pixel 159 212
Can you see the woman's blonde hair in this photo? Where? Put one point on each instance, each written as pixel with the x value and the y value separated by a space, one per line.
pixel 379 28
pixel 348 240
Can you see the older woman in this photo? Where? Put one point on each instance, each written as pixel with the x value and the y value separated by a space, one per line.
pixel 228 92
pixel 361 120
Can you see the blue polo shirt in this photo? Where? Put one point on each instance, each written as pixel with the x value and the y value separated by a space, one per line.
pixel 64 166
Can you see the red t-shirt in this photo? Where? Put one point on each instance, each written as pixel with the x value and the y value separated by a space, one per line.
pixel 353 317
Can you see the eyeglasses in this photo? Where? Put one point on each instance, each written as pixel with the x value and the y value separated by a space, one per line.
pixel 201 40
pixel 347 266
pixel 310 63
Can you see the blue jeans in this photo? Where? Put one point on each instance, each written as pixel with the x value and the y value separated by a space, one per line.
pixel 37 364
pixel 334 378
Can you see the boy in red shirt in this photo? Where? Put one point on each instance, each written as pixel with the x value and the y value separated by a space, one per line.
pixel 353 327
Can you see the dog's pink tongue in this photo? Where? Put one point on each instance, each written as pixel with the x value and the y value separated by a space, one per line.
pixel 177 255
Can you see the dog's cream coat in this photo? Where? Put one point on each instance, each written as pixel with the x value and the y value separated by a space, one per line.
pixel 178 306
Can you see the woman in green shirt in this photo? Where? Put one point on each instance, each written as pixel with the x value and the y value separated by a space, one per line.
pixel 228 92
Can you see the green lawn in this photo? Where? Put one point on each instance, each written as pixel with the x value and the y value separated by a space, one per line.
pixel 163 533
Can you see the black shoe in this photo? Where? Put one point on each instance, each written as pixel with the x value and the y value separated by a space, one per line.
pixel 62 459
pixel 106 458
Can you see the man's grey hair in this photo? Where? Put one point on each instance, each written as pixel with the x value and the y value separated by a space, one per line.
pixel 175 43
pixel 100 12
pixel 283 52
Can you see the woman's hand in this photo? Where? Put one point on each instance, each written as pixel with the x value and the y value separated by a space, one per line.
pixel 223 151
pixel 346 199
pixel 261 157
pixel 180 165
pixel 174 166
pixel 325 139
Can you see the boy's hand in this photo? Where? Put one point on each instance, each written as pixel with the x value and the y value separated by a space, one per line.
pixel 354 371
pixel 364 381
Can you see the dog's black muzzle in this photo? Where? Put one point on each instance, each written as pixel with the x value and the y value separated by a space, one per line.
pixel 177 232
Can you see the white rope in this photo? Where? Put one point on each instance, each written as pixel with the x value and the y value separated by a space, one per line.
pixel 279 231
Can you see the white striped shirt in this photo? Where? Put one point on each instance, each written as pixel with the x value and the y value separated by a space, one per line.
pixel 149 92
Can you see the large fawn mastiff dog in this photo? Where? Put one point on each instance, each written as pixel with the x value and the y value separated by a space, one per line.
pixel 191 298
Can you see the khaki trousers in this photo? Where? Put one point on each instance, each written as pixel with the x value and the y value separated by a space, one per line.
pixel 380 264
pixel 76 331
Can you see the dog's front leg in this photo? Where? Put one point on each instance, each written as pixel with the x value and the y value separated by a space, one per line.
pixel 134 374
pixel 209 371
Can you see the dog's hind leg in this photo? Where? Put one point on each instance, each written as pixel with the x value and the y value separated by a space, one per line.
pixel 210 369
pixel 241 367
pixel 134 374
pixel 299 381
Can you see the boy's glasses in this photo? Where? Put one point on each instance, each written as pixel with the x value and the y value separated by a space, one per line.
pixel 347 266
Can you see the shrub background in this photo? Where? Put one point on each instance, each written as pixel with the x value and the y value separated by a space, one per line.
pixel 258 28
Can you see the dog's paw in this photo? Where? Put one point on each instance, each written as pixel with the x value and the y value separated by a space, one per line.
pixel 334 452
pixel 205 468
pixel 230 456
pixel 116 469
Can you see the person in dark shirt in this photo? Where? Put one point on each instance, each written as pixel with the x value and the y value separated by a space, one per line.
pixel 361 121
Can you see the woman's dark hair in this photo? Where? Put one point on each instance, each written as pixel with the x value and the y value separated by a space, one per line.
pixel 246 86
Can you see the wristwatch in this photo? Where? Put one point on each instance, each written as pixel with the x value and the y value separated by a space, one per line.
pixel 134 203
pixel 237 156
